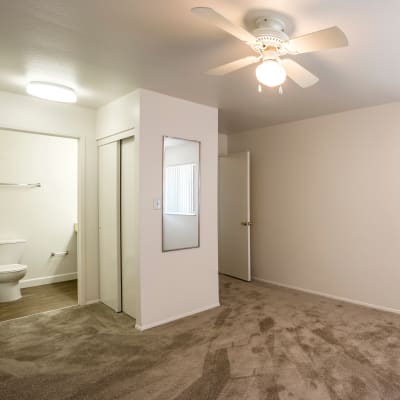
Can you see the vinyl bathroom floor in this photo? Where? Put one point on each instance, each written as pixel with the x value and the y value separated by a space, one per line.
pixel 39 299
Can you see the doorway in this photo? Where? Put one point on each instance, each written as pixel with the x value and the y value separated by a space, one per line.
pixel 39 221
pixel 234 216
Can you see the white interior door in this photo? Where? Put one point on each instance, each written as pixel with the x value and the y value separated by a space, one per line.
pixel 109 224
pixel 234 215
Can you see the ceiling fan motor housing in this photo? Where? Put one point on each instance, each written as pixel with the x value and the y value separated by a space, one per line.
pixel 270 36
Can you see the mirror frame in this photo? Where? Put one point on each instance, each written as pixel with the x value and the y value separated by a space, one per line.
pixel 198 195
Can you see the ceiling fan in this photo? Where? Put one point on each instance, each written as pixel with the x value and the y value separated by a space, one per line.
pixel 271 44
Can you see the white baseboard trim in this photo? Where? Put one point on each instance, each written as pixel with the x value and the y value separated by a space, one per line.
pixel 92 302
pixel 329 296
pixel 176 317
pixel 45 280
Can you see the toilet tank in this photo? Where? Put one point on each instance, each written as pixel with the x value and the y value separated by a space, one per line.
pixel 11 251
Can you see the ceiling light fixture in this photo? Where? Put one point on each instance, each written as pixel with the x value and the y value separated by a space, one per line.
pixel 271 73
pixel 50 91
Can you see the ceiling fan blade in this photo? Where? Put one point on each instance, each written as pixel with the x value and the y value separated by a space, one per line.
pixel 299 74
pixel 233 66
pixel 218 20
pixel 329 38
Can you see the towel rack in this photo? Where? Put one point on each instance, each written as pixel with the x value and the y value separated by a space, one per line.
pixel 28 185
pixel 62 253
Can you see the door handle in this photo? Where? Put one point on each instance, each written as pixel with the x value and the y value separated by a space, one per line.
pixel 246 223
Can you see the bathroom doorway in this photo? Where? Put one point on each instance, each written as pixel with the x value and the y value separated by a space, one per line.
pixel 39 223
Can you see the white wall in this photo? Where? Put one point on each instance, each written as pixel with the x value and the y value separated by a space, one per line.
pixel 179 282
pixel 120 115
pixel 326 204
pixel 30 114
pixel 222 144
pixel 44 216
pixel 181 231
pixel 176 283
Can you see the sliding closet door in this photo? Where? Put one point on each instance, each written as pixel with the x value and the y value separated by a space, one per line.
pixel 109 224
pixel 129 235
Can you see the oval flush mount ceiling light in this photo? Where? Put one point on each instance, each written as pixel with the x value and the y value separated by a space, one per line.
pixel 271 73
pixel 50 91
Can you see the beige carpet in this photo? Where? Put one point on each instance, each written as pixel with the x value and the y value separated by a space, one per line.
pixel 263 343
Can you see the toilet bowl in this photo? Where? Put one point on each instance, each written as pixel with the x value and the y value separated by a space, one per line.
pixel 10 275
pixel 10 271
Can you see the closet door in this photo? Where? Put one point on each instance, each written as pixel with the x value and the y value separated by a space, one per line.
pixel 129 235
pixel 109 224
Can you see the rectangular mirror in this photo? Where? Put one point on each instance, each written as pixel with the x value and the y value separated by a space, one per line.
pixel 181 166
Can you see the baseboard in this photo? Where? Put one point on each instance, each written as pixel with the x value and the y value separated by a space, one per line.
pixel 176 317
pixel 45 280
pixel 92 302
pixel 329 296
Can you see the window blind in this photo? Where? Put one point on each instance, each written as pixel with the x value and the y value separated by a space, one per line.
pixel 179 189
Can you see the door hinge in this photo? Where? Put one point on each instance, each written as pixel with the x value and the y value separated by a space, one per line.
pixel 246 223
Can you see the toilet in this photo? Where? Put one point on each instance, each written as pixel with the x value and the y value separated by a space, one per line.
pixel 11 272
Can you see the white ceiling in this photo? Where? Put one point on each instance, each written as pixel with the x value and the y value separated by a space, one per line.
pixel 105 49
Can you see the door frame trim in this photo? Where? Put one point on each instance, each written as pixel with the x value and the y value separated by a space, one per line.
pixel 115 137
pixel 249 211
pixel 81 234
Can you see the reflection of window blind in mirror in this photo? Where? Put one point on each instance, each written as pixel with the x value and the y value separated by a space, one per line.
pixel 179 189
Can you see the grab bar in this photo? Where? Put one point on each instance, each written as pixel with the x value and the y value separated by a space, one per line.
pixel 30 185
pixel 62 253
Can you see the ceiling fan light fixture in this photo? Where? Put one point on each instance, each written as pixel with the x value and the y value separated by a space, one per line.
pixel 50 91
pixel 270 73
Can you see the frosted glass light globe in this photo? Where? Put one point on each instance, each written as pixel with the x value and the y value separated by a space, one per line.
pixel 50 91
pixel 271 73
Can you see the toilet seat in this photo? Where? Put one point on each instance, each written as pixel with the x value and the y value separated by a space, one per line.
pixel 6 269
